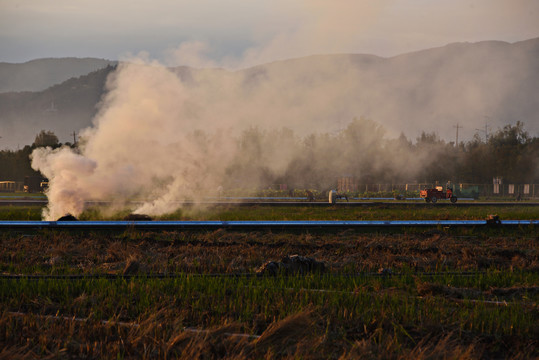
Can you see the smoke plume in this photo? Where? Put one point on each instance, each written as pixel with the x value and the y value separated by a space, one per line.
pixel 165 134
pixel 143 145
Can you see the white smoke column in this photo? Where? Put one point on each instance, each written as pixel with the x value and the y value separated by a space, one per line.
pixel 144 144
pixel 141 145
pixel 64 169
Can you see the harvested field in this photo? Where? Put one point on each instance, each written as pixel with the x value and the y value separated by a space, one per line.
pixel 423 293
pixel 378 211
pixel 223 251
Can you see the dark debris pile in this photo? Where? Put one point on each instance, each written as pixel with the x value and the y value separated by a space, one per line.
pixel 292 265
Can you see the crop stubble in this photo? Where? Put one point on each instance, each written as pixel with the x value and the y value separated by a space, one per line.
pixel 490 309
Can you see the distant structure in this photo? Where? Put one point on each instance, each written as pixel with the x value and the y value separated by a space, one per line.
pixel 485 131
pixel 457 139
pixel 52 108
pixel 347 183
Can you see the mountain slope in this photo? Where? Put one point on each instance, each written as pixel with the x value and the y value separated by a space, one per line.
pixel 63 108
pixel 37 75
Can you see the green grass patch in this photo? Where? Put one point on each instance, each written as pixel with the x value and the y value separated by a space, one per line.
pixel 261 212
pixel 394 302
pixel 16 212
pixel 377 212
pixel 22 196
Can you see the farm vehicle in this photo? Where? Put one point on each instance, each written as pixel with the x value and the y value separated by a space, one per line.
pixel 432 195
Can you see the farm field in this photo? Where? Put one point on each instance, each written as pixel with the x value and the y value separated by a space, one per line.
pixel 261 212
pixel 415 293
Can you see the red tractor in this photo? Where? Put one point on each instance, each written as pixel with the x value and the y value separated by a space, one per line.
pixel 432 195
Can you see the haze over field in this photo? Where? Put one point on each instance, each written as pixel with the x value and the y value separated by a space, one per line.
pixel 143 141
pixel 470 84
pixel 164 134
pixel 236 36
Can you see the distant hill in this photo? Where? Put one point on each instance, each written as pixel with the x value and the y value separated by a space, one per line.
pixel 430 90
pixel 37 75
pixel 63 108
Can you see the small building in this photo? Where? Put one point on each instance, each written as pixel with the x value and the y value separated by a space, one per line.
pixel 8 186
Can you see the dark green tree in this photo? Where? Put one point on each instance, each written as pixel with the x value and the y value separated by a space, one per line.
pixel 46 138
pixel 509 154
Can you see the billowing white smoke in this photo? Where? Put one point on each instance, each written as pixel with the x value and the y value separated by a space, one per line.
pixel 68 173
pixel 163 135
pixel 157 139
pixel 143 145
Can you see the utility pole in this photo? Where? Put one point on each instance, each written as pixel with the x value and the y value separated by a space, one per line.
pixel 74 138
pixel 486 132
pixel 457 139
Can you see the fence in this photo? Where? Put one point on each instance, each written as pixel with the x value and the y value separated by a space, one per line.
pixel 462 189
pixel 11 186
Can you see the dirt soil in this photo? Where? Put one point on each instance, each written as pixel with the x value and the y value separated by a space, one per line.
pixel 223 251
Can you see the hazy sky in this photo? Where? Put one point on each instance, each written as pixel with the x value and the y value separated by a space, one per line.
pixel 237 33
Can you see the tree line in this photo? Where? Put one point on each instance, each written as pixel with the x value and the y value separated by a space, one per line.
pixel 15 165
pixel 360 151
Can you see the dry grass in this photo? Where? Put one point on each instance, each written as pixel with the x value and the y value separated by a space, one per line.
pixel 225 251
pixel 326 328
pixel 301 335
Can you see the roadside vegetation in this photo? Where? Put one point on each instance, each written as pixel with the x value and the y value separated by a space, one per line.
pixel 361 150
pixel 376 212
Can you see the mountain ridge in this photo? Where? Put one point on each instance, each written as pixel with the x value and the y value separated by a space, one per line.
pixel 40 74
pixel 429 90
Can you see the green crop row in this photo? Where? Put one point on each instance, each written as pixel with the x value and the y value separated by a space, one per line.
pixel 208 301
pixel 356 213
pixel 260 212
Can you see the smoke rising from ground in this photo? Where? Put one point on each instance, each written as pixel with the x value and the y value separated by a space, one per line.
pixel 160 137
pixel 142 146
pixel 167 134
